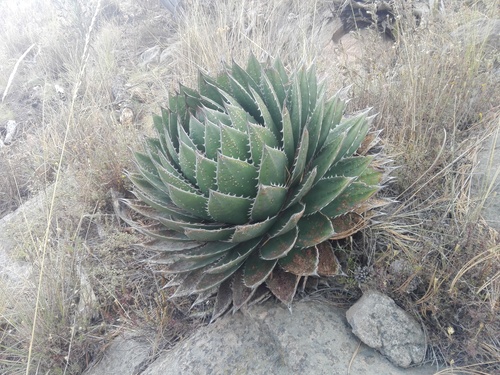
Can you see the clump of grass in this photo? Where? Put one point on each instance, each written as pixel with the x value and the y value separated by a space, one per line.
pixel 436 92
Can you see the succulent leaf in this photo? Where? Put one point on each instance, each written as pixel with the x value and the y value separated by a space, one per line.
pixel 283 285
pixel 247 232
pixel 273 165
pixel 278 247
pixel 314 229
pixel 324 192
pixel 236 176
pixel 287 220
pixel 230 209
pixel 353 195
pixel 259 137
pixel 256 270
pixel 268 202
pixel 301 262
pixel 235 256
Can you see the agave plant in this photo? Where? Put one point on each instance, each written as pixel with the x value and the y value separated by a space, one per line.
pixel 248 179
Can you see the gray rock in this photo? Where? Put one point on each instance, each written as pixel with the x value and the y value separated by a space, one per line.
pixel 313 338
pixel 382 325
pixel 484 33
pixel 150 56
pixel 486 184
pixel 124 356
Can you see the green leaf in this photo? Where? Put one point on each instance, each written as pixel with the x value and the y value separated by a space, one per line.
pixel 241 294
pixel 247 232
pixel 158 124
pixel 205 173
pixel 353 195
pixel 334 109
pixel 279 246
pixel 287 220
pixel 203 234
pixel 151 176
pixel 278 86
pixel 217 117
pixel 145 163
pixel 371 176
pixel 314 127
pixel 170 119
pixel 301 77
pixel 296 109
pixel 236 177
pixel 288 141
pixel 190 264
pixel 245 99
pixel 324 192
pixel 327 156
pixel 187 161
pixel 300 159
pixel 268 202
pixel 244 79
pixel 174 179
pixel 209 281
pixel 314 229
pixel 209 88
pixel 187 285
pixel 170 246
pixel 303 188
pixel 280 68
pixel 312 81
pixel 273 165
pixel 234 143
pixel 258 137
pixel 267 119
pixel 254 69
pixel 355 136
pixel 190 202
pixel 271 99
pixel 208 249
pixel 235 256
pixel 212 140
pixel 229 209
pixel 197 133
pixel 239 117
pixel 301 262
pixel 158 201
pixel 256 270
pixel 352 166
pixel 168 164
pixel 180 225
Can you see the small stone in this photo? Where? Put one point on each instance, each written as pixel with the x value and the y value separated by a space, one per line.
pixel 151 55
pixel 11 132
pixel 378 322
pixel 127 116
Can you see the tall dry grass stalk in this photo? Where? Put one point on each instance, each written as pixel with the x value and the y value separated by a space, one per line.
pixel 58 175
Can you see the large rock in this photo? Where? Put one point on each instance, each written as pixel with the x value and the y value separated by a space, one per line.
pixel 313 338
pixel 382 325
pixel 125 356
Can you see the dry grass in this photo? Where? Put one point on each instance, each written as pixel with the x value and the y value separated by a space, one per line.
pixel 436 98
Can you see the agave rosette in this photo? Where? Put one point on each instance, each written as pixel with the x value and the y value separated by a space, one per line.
pixel 248 179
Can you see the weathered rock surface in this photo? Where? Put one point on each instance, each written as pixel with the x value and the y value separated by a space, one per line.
pixel 382 325
pixel 124 356
pixel 269 339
